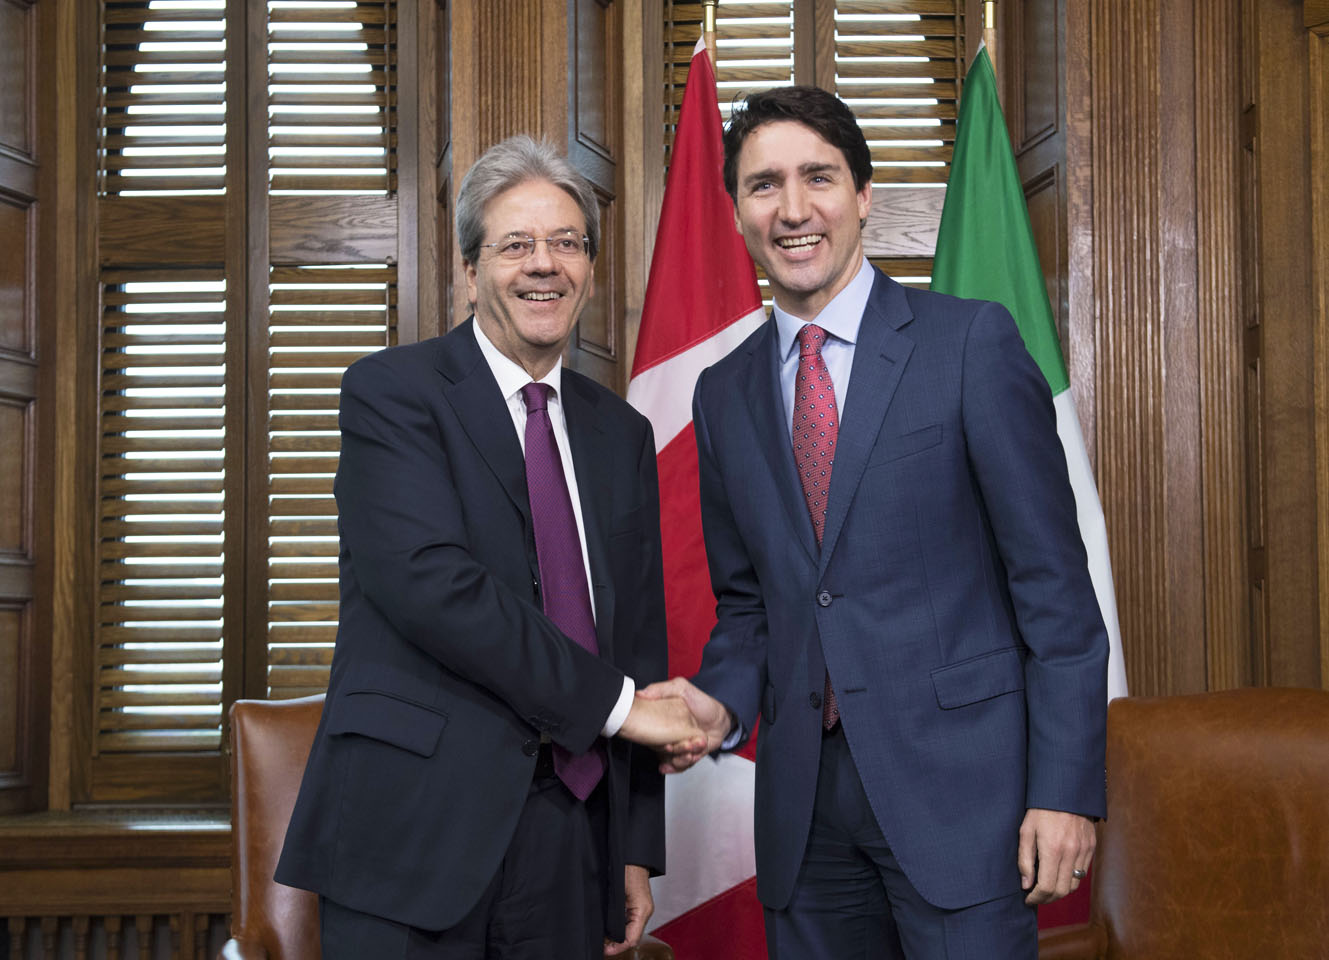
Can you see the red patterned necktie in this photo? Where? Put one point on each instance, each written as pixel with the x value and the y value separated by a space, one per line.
pixel 816 424
pixel 563 590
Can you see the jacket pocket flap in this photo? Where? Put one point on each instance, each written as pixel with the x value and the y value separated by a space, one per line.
pixel 383 717
pixel 897 448
pixel 978 678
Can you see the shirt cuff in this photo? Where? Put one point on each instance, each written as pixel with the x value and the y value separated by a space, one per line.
pixel 621 709
pixel 736 733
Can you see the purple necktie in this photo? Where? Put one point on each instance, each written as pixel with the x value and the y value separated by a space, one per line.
pixel 563 590
pixel 816 426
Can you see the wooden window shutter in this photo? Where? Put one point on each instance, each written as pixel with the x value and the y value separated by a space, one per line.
pixel 248 251
pixel 896 65
pixel 166 358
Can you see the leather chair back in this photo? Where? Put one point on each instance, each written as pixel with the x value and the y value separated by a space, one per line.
pixel 270 741
pixel 1217 838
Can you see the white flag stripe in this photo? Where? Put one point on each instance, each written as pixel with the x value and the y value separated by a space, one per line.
pixel 663 393
pixel 1093 531
pixel 710 843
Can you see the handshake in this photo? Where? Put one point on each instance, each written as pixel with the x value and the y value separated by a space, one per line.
pixel 681 723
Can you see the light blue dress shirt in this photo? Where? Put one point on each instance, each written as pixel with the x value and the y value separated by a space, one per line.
pixel 840 319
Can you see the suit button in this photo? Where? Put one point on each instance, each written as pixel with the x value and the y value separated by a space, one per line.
pixel 530 747
pixel 814 700
pixel 824 598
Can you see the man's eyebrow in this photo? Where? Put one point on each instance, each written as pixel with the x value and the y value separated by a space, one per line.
pixel 553 233
pixel 805 169
pixel 760 175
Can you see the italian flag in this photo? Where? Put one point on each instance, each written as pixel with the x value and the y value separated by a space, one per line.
pixel 702 300
pixel 985 251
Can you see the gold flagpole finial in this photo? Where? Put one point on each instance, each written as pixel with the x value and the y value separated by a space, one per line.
pixel 708 27
pixel 990 30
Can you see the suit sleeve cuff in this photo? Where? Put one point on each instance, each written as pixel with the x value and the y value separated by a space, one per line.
pixel 621 709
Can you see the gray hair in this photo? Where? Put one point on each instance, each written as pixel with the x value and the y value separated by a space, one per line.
pixel 511 163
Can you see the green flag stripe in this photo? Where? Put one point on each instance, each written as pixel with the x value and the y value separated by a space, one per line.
pixel 985 246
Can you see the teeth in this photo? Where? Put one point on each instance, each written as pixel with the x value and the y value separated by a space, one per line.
pixel 797 243
pixel 541 296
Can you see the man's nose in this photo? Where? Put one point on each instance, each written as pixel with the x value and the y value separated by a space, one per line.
pixel 794 206
pixel 541 259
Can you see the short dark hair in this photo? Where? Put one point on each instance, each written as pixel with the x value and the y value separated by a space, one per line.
pixel 505 165
pixel 823 113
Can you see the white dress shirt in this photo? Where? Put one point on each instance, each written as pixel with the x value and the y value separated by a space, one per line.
pixel 511 378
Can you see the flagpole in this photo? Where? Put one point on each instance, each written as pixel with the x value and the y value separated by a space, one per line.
pixel 708 27
pixel 990 30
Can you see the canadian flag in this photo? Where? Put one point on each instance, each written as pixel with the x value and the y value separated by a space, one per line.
pixel 701 302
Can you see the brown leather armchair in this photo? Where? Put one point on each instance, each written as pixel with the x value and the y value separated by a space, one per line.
pixel 1216 844
pixel 270 741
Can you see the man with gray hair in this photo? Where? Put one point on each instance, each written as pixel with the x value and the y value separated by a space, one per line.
pixel 480 784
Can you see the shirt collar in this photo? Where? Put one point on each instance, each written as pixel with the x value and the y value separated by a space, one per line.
pixel 840 318
pixel 509 374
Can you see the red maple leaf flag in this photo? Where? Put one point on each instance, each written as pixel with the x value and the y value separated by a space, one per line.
pixel 701 302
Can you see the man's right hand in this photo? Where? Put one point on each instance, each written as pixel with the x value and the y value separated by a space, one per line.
pixel 658 722
pixel 711 715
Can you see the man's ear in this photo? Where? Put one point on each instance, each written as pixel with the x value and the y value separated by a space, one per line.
pixel 469 270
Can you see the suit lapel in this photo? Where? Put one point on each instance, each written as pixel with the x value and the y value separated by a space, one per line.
pixel 880 356
pixel 473 392
pixel 766 404
pixel 595 490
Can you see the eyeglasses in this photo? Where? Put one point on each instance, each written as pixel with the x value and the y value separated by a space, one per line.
pixel 567 245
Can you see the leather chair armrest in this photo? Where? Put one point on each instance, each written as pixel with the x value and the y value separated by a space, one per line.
pixel 652 949
pixel 1080 941
pixel 241 948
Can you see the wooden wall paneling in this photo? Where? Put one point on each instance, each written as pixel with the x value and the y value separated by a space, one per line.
pixel 68 341
pixel 1182 493
pixel 23 656
pixel 18 78
pixel 417 212
pixel 1220 338
pixel 1033 36
pixel 1080 342
pixel 466 100
pixel 1130 388
pixel 1252 363
pixel 18 224
pixel 1318 42
pixel 643 151
pixel 594 138
pixel 442 163
pixel 1285 306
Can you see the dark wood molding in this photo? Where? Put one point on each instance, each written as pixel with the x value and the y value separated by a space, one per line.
pixel 1319 137
pixel 1282 310
pixel 24 674
pixel 1221 384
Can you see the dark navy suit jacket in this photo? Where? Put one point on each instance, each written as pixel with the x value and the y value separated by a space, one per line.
pixel 446 672
pixel 950 599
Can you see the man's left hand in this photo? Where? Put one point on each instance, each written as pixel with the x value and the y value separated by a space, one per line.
pixel 1053 843
pixel 637 884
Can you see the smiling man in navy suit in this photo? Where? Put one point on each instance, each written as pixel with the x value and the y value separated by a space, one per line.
pixel 472 791
pixel 902 592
